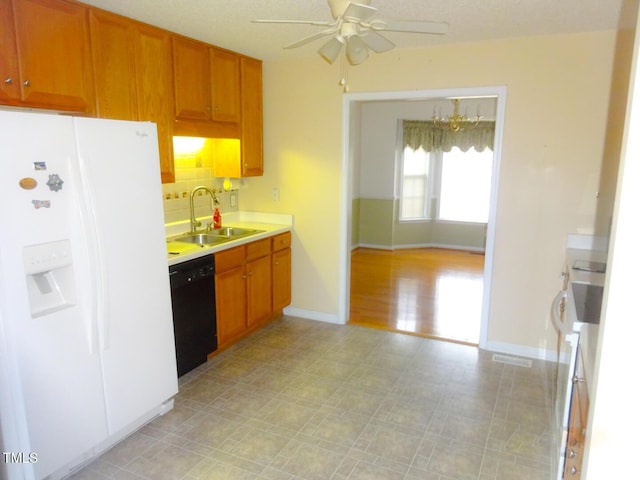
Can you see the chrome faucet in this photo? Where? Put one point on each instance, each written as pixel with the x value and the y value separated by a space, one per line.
pixel 195 223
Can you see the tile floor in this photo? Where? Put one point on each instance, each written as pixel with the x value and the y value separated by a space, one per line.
pixel 305 400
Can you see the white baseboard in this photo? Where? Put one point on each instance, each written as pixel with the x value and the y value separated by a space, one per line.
pixel 521 351
pixel 419 245
pixel 312 315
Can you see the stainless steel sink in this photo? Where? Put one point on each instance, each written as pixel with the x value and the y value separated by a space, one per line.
pixel 219 235
pixel 234 232
pixel 201 239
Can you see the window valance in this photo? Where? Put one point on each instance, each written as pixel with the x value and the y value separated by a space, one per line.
pixel 423 133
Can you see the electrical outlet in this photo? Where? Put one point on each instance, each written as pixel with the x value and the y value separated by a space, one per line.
pixel 233 199
pixel 275 194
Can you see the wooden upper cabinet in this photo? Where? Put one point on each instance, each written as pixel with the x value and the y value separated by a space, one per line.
pixel 112 40
pixel 192 81
pixel 250 161
pixel 252 123
pixel 206 82
pixel 225 85
pixel 154 89
pixel 9 73
pixel 54 55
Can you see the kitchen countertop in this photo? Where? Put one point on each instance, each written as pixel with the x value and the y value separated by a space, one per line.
pixel 270 224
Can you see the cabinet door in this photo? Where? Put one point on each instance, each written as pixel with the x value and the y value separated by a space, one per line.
pixel 191 79
pixel 114 65
pixel 251 111
pixel 231 298
pixel 152 51
pixel 258 290
pixel 281 270
pixel 225 86
pixel 54 53
pixel 9 74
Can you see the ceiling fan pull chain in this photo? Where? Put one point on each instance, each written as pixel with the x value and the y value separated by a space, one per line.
pixel 344 71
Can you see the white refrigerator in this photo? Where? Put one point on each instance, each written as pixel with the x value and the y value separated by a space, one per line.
pixel 87 352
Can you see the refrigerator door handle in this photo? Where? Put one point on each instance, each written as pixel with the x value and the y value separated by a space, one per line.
pixel 556 315
pixel 98 325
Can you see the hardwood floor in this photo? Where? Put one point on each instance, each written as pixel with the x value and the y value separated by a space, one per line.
pixel 429 292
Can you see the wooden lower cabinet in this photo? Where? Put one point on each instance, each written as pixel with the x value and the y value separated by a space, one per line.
pixel 231 304
pixel 281 271
pixel 250 287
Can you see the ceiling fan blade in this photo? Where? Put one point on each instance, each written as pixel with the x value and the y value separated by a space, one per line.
pixel 435 28
pixel 377 42
pixel 358 12
pixel 311 38
pixel 303 22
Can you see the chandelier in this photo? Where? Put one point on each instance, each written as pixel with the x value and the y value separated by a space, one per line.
pixel 455 122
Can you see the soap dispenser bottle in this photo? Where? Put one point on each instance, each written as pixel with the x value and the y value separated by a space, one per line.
pixel 217 218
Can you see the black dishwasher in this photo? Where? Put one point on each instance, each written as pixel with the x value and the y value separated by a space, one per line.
pixel 194 311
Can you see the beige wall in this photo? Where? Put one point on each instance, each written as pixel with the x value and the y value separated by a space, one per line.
pixel 556 109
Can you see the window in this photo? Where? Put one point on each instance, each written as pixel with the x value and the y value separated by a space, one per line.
pixel 465 185
pixel 457 183
pixel 415 184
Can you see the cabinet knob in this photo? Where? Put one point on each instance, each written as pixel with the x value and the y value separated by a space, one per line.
pixel 27 83
pixel 577 379
pixel 573 470
pixel 8 81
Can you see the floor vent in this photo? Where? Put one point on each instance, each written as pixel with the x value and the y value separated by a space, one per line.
pixel 518 362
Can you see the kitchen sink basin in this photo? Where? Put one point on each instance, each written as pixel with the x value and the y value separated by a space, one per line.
pixel 201 239
pixel 233 232
pixel 213 237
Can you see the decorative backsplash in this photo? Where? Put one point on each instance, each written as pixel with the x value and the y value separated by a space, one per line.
pixel 192 170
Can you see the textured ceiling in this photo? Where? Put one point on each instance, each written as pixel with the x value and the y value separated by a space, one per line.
pixel 227 23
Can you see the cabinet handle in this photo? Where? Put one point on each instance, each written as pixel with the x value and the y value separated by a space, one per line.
pixel 8 81
pixel 577 379
pixel 27 83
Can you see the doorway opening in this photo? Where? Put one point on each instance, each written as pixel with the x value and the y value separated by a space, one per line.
pixel 355 107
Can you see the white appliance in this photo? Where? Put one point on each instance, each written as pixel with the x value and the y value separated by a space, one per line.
pixel 576 305
pixel 568 344
pixel 87 350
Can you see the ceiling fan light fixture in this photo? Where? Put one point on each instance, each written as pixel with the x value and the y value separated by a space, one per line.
pixel 357 50
pixel 330 50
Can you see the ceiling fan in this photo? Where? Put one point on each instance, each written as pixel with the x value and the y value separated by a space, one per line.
pixel 353 28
